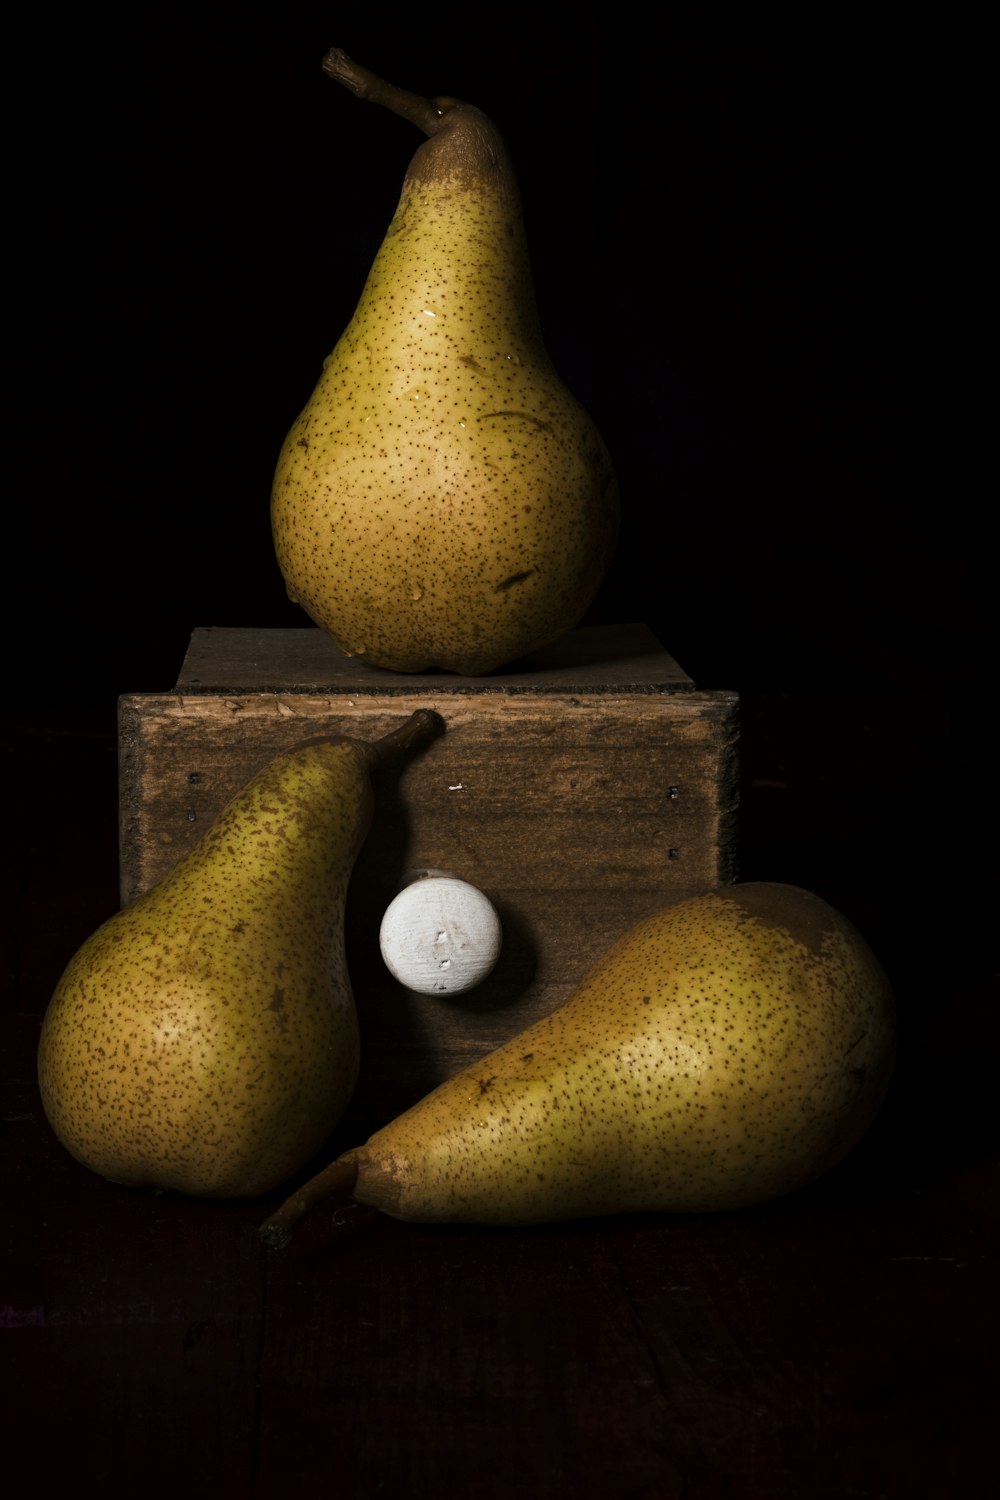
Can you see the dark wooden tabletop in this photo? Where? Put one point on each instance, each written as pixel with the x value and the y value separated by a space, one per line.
pixel 840 1342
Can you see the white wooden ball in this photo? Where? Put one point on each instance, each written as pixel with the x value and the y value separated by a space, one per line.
pixel 440 935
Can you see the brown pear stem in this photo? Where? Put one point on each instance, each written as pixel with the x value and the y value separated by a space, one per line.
pixel 426 114
pixel 423 724
pixel 336 1180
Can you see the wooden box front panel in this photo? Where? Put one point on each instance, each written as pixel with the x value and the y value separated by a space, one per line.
pixel 577 813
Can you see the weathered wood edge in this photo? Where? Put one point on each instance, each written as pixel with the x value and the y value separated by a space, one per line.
pixel 135 712
pixel 131 760
pixel 728 847
pixel 225 661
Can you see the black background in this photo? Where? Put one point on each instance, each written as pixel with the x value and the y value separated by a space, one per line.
pixel 748 250
pixel 752 236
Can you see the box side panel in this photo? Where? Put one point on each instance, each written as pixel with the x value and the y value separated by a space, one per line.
pixel 576 817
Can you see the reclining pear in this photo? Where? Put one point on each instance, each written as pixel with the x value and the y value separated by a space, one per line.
pixel 727 1050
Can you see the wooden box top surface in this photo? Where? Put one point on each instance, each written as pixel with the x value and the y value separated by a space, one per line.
pixel 591 659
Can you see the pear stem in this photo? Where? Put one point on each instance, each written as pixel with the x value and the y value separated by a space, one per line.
pixel 335 1180
pixel 422 724
pixel 426 114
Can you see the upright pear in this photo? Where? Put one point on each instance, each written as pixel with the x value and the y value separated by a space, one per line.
pixel 443 500
pixel 726 1050
pixel 205 1039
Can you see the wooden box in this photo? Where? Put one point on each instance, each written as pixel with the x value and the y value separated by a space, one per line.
pixel 580 791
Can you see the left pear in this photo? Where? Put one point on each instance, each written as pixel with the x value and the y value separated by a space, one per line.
pixel 204 1040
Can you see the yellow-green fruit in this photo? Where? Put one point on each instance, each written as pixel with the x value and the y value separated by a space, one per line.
pixel 205 1038
pixel 443 500
pixel 726 1050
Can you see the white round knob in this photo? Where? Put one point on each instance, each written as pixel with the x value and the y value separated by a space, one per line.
pixel 440 935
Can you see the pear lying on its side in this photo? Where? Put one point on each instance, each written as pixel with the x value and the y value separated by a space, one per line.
pixel 443 500
pixel 204 1039
pixel 725 1051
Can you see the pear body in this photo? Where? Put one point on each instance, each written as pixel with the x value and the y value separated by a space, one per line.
pixel 205 1039
pixel 727 1050
pixel 444 500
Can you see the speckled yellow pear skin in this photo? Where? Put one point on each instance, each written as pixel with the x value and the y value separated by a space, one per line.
pixel 444 500
pixel 205 1039
pixel 724 1052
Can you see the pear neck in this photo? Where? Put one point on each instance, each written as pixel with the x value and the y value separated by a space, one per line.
pixel 467 149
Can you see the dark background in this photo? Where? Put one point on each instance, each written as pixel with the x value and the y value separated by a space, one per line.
pixel 753 258
pixel 747 239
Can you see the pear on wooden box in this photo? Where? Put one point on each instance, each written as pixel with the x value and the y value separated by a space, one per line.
pixel 443 500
